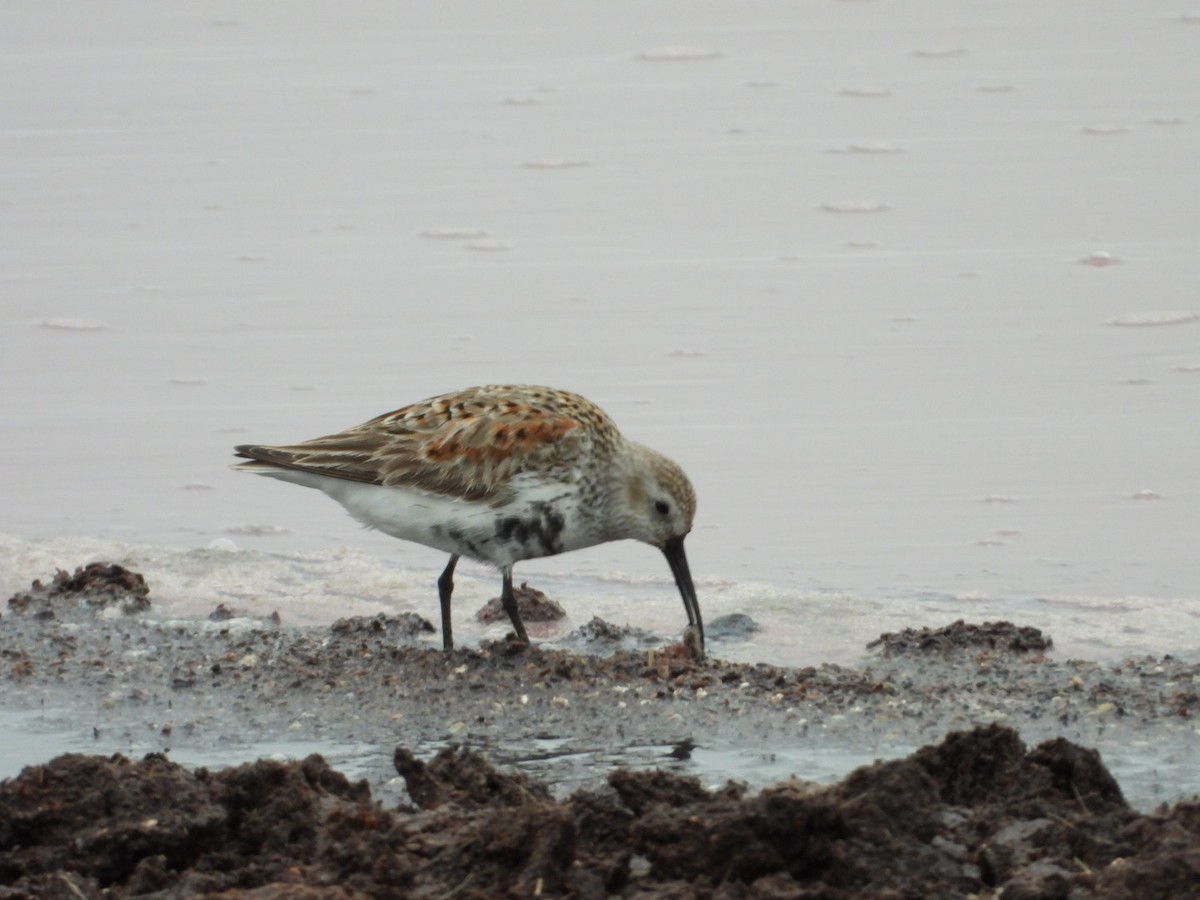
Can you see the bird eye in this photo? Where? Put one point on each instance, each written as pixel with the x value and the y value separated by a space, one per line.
pixel 662 507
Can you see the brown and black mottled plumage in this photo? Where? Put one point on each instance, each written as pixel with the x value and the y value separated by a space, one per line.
pixel 499 473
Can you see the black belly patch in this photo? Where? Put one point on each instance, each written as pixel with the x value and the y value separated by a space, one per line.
pixel 541 528
pixel 461 538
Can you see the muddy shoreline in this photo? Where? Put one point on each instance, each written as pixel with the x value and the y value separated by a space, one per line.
pixel 582 775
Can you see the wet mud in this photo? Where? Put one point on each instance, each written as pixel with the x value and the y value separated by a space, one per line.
pixel 1002 798
pixel 979 815
pixel 960 636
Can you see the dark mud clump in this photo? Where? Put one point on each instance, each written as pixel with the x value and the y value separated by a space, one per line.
pixel 97 585
pixel 978 814
pixel 1001 637
pixel 463 778
pixel 403 626
pixel 597 632
pixel 532 604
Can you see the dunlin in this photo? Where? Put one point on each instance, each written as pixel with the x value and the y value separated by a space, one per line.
pixel 499 474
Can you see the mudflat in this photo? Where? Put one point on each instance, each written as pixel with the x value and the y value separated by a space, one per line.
pixel 528 771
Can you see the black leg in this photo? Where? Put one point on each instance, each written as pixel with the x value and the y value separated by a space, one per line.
pixel 445 589
pixel 509 602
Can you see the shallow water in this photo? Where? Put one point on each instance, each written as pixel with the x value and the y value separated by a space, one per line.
pixel 1149 772
pixel 967 365
pixel 797 627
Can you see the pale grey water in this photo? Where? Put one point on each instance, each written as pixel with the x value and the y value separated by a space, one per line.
pixel 1149 772
pixel 252 206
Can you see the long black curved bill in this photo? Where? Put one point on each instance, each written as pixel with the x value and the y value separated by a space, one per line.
pixel 677 559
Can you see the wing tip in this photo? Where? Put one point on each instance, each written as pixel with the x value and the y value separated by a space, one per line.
pixel 258 458
pixel 256 452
